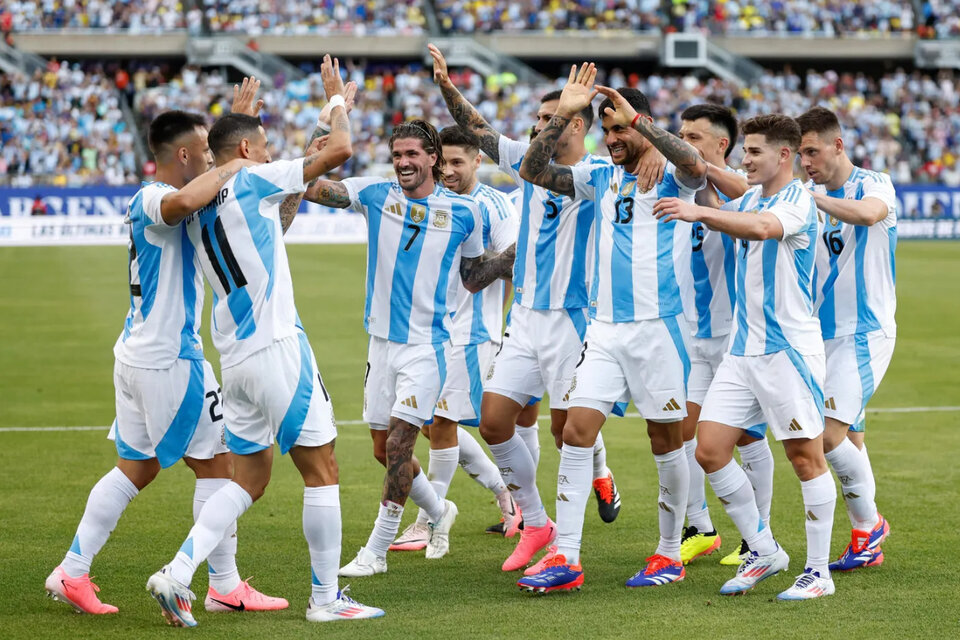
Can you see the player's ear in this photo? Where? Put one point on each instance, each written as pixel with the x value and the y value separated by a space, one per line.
pixel 244 148
pixel 183 155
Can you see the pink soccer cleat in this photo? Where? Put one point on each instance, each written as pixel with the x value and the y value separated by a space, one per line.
pixel 80 593
pixel 532 540
pixel 243 598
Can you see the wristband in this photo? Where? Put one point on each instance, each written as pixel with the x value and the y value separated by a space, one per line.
pixel 337 101
pixel 634 123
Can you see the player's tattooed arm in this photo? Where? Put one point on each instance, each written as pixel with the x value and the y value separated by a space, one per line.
pixel 177 205
pixel 536 166
pixel 329 193
pixel 462 111
pixel 400 463
pixel 478 273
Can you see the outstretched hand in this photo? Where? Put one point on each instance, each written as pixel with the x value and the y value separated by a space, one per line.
pixel 330 75
pixel 441 76
pixel 579 91
pixel 349 94
pixel 622 112
pixel 245 97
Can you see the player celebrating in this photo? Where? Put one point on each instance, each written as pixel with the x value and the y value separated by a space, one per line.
pixel 775 366
pixel 256 329
pixel 162 380
pixel 712 130
pixel 475 336
pixel 419 235
pixel 635 344
pixel 856 301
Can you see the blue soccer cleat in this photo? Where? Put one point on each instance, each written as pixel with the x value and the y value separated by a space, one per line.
pixel 557 575
pixel 660 570
pixel 864 548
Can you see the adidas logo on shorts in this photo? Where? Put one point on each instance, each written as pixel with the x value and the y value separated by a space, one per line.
pixel 671 406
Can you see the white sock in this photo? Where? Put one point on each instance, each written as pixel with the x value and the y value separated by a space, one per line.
pixel 424 495
pixel 733 489
pixel 573 490
pixel 386 527
pixel 321 528
pixel 674 483
pixel 757 460
pixel 871 481
pixel 222 561
pixel 531 438
pixel 105 504
pixel 221 511
pixel 443 464
pixel 819 500
pixel 520 475
pixel 600 469
pixel 698 515
pixel 848 463
pixel 477 464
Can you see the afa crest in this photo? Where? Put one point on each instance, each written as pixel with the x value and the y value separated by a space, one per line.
pixel 441 219
pixel 627 187
pixel 418 212
pixel 833 221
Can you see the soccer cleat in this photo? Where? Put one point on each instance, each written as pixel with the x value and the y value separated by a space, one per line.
pixel 439 543
pixel 734 558
pixel 659 570
pixel 864 548
pixel 532 540
pixel 695 544
pixel 413 538
pixel 754 569
pixel 541 564
pixel 608 498
pixel 512 518
pixel 80 593
pixel 809 585
pixel 365 564
pixel 343 608
pixel 174 598
pixel 556 575
pixel 497 529
pixel 243 598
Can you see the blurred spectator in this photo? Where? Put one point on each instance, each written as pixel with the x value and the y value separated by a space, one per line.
pixel 38 208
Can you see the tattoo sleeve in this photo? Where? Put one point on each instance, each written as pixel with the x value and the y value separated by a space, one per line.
pixel 537 168
pixel 400 462
pixel 328 192
pixel 469 118
pixel 291 204
pixel 687 160
pixel 477 273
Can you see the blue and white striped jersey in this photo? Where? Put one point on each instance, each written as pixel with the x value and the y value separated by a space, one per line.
pixel 634 274
pixel 414 249
pixel 554 246
pixel 239 240
pixel 166 290
pixel 479 316
pixel 774 308
pixel 856 269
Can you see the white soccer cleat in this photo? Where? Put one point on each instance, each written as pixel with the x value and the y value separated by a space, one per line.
pixel 343 608
pixel 365 564
pixel 439 543
pixel 174 598
pixel 754 569
pixel 809 585
pixel 413 538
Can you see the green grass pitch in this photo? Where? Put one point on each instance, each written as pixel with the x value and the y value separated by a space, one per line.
pixel 61 310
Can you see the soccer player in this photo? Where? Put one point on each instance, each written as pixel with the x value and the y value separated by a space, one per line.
pixel 709 269
pixel 635 347
pixel 549 317
pixel 774 369
pixel 420 235
pixel 856 301
pixel 475 336
pixel 272 388
pixel 167 396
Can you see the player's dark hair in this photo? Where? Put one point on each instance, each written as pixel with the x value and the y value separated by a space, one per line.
pixel 776 128
pixel 586 113
pixel 429 138
pixel 167 127
pixel 229 130
pixel 718 116
pixel 459 137
pixel 634 97
pixel 819 120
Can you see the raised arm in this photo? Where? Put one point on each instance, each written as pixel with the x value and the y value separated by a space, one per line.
pixel 866 212
pixel 536 166
pixel 177 205
pixel 691 168
pixel 746 225
pixel 329 193
pixel 462 111
pixel 478 273
pixel 729 183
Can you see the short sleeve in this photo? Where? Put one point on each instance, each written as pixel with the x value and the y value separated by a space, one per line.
pixel 587 177
pixel 503 226
pixel 882 189
pixel 686 190
pixel 152 197
pixel 511 155
pixel 472 246
pixel 355 188
pixel 285 175
pixel 792 215
pixel 732 205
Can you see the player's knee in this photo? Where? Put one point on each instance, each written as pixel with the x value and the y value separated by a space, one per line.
pixel 401 440
pixel 493 432
pixel 808 465
pixel 575 435
pixel 709 459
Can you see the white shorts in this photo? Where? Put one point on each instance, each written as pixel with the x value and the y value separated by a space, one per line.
pixel 855 366
pixel 167 414
pixel 783 389
pixel 706 354
pixel 277 393
pixel 540 350
pixel 402 381
pixel 463 389
pixel 645 361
